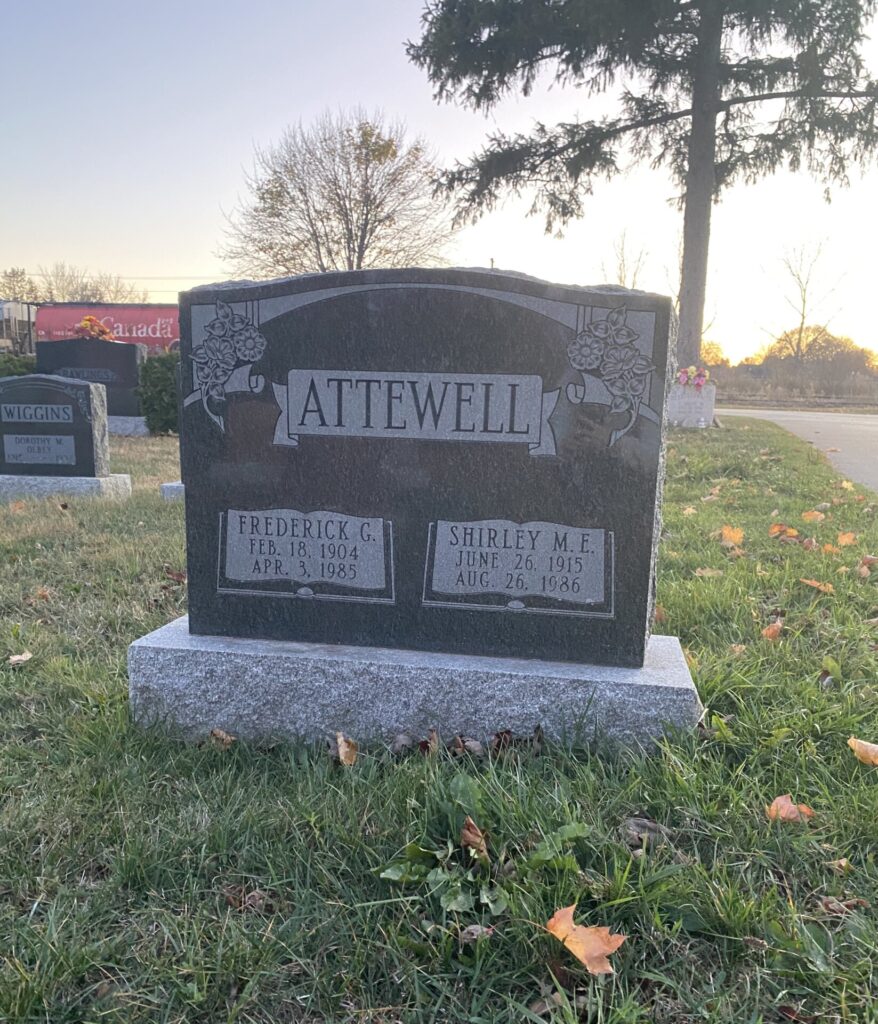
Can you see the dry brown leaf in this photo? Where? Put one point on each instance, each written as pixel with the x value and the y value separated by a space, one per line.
pixel 846 539
pixel 810 544
pixel 345 750
pixel 831 549
pixel 864 572
pixel 431 744
pixel 690 511
pixel 865 752
pixel 461 745
pixel 824 588
pixel 19 659
pixel 782 531
pixel 660 615
pixel 731 536
pixel 842 907
pixel 591 946
pixel 173 574
pixel 221 739
pixel 738 649
pixel 872 622
pixel 869 560
pixel 791 1013
pixel 782 808
pixel 813 516
pixel 773 631
pixel 708 572
pixel 473 932
pixel 16 506
pixel 472 838
pixel 842 866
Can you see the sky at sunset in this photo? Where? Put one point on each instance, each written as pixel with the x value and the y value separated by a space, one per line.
pixel 128 127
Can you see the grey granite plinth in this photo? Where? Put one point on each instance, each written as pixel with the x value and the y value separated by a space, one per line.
pixel 260 689
pixel 128 426
pixel 173 491
pixel 116 486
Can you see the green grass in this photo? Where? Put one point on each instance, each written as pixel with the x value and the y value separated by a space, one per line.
pixel 124 859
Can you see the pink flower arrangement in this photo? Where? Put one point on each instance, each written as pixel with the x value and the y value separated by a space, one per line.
pixel 693 376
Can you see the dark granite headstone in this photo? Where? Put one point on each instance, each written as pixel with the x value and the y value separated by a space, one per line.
pixel 442 460
pixel 52 426
pixel 114 364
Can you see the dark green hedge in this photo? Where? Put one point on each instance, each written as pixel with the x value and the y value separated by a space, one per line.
pixel 16 366
pixel 158 393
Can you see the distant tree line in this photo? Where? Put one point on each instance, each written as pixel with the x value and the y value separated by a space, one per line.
pixel 63 282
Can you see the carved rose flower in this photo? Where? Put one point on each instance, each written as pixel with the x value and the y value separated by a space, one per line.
pixel 214 358
pixel 217 328
pixel 628 389
pixel 586 350
pixel 249 344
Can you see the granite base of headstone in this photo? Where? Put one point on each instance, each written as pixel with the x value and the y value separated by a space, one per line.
pixel 690 407
pixel 271 689
pixel 419 499
pixel 173 491
pixel 53 440
pixel 128 426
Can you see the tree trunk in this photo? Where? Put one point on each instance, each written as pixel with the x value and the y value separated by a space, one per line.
pixel 700 181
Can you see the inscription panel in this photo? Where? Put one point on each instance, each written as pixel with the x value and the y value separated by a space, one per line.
pixel 498 564
pixel 50 449
pixel 320 554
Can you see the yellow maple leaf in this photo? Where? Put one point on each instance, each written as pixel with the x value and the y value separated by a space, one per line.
pixel 345 750
pixel 813 516
pixel 731 536
pixel 865 752
pixel 830 549
pixel 846 539
pixel 591 946
pixel 773 631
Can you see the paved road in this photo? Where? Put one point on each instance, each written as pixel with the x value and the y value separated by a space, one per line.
pixel 855 437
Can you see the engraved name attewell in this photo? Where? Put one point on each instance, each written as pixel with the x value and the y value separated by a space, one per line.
pixel 425 406
pixel 460 461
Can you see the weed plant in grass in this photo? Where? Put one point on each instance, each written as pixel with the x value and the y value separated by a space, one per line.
pixel 145 881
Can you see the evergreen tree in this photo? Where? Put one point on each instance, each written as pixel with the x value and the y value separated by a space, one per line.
pixel 718 91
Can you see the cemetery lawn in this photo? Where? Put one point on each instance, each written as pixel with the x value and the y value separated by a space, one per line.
pixel 142 880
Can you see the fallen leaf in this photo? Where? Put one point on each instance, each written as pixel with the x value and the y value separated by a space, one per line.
pixel 810 544
pixel 43 593
pixel 710 573
pixel 591 946
pixel 345 750
pixel 872 622
pixel 773 631
pixel 813 516
pixel 781 530
pixel 173 574
pixel 660 615
pixel 738 649
pixel 847 485
pixel 782 808
pixel 842 866
pixel 461 745
pixel 19 659
pixel 846 539
pixel 431 744
pixel 253 901
pixel 501 740
pixel 842 907
pixel 472 838
pixel 221 739
pixel 824 588
pixel 833 449
pixel 791 1013
pixel 842 571
pixel 638 832
pixel 731 536
pixel 864 572
pixel 690 511
pixel 473 932
pixel 831 549
pixel 869 560
pixel 710 497
pixel 16 506
pixel 865 752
